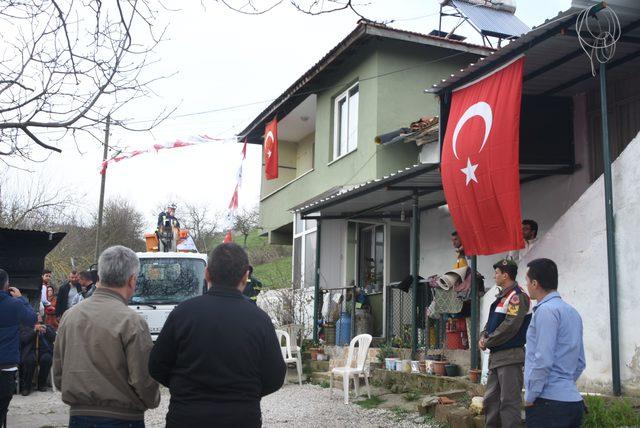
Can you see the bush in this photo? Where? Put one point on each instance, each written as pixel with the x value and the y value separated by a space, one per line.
pixel 614 413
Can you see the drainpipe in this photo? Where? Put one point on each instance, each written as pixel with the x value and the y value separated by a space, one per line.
pixel 415 254
pixel 316 286
pixel 473 336
pixel 611 242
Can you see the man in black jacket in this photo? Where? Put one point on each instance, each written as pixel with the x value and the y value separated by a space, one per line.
pixel 36 349
pixel 67 293
pixel 218 353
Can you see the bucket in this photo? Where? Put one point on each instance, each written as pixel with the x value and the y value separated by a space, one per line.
pixel 390 363
pixel 343 329
pixel 415 366
pixel 398 365
pixel 451 370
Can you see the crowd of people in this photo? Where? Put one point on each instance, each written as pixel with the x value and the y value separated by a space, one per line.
pixel 218 353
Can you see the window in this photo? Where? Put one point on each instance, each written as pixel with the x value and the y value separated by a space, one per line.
pixel 345 138
pixel 304 252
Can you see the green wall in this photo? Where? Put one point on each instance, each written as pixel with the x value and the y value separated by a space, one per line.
pixel 386 103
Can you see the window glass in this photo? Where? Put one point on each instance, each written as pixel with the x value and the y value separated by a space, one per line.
pixel 297 261
pixel 353 119
pixel 168 281
pixel 309 259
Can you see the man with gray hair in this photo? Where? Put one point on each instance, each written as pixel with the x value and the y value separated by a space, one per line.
pixel 102 350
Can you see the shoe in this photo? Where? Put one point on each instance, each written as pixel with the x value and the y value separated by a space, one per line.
pixel 25 392
pixel 42 388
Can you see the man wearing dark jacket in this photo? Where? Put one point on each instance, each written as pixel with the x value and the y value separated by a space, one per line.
pixel 14 311
pixel 67 294
pixel 218 353
pixel 36 349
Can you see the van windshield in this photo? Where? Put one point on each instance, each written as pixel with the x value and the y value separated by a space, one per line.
pixel 168 281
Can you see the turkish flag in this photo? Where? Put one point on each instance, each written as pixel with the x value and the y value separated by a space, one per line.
pixel 480 163
pixel 227 238
pixel 271 150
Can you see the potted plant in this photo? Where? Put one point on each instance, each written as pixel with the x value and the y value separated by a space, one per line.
pixel 385 354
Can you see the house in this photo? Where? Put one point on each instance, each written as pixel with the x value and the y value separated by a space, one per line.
pixel 328 121
pixel 563 143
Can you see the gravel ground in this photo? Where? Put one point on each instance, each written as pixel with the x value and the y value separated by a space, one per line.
pixel 292 406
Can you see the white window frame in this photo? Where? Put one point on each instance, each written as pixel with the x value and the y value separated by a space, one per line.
pixel 302 234
pixel 351 145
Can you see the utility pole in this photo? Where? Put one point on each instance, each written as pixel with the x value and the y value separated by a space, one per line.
pixel 102 183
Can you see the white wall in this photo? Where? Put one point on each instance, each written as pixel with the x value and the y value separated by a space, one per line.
pixel 577 243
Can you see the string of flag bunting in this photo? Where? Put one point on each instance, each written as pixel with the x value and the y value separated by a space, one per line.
pixel 270 160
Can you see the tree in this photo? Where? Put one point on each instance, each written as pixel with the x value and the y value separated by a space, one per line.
pixel 246 221
pixel 122 224
pixel 202 225
pixel 33 206
pixel 68 64
pixel 310 7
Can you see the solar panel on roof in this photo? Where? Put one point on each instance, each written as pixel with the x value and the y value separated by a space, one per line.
pixel 491 22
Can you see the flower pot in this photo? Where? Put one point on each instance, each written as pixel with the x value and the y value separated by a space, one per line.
pixel 451 370
pixel 422 366
pixel 398 365
pixel 390 363
pixel 330 334
pixel 314 352
pixel 474 375
pixel 439 368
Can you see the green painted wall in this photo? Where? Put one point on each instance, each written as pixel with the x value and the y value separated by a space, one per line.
pixel 385 104
pixel 304 155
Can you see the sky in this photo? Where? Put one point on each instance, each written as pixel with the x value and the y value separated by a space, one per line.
pixel 220 59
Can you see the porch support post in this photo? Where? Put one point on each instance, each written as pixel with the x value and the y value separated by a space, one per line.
pixel 473 334
pixel 415 255
pixel 316 286
pixel 611 243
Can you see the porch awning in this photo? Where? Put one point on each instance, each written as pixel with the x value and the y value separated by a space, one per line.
pixel 389 196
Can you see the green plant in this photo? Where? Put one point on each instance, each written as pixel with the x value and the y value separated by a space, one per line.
pixel 324 384
pixel 400 413
pixel 433 422
pixel 411 396
pixel 613 413
pixel 370 403
pixel 385 351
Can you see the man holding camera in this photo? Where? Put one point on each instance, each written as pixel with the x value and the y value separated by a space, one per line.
pixel 13 311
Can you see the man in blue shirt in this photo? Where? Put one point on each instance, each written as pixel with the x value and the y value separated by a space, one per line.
pixel 555 353
pixel 14 310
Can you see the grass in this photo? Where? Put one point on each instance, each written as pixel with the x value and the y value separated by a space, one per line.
pixel 275 274
pixel 610 413
pixel 433 422
pixel 411 396
pixel 370 403
pixel 324 384
pixel 399 413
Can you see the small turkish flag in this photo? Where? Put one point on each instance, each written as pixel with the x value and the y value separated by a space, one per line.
pixel 480 165
pixel 228 238
pixel 271 150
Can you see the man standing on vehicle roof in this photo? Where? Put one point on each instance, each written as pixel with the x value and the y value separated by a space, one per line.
pixel 168 216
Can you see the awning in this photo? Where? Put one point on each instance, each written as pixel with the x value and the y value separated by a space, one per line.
pixel 389 196
pixel 555 64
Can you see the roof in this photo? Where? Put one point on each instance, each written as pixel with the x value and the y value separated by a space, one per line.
pixel 554 62
pixel 387 197
pixel 364 31
pixel 22 252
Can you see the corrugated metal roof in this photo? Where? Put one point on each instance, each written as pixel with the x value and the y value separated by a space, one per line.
pixel 555 62
pixel 388 196
pixel 491 21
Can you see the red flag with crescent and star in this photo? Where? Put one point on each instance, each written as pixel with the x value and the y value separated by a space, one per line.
pixel 271 150
pixel 480 165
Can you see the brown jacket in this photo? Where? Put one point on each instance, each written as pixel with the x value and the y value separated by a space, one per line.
pixel 507 330
pixel 100 359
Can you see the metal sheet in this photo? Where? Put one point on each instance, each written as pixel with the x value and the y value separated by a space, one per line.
pixel 492 21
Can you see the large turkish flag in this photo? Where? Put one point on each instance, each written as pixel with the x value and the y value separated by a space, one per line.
pixel 271 150
pixel 480 162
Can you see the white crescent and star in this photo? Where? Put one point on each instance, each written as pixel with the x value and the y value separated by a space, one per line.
pixel 483 110
pixel 266 143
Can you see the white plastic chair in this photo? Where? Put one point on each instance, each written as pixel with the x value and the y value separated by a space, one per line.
pixel 287 354
pixel 362 341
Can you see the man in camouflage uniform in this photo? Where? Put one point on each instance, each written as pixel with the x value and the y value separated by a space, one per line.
pixel 505 336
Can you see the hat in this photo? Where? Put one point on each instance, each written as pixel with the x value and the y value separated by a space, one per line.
pixel 505 262
pixel 172 206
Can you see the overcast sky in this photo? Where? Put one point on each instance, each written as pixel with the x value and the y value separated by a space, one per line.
pixel 223 59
